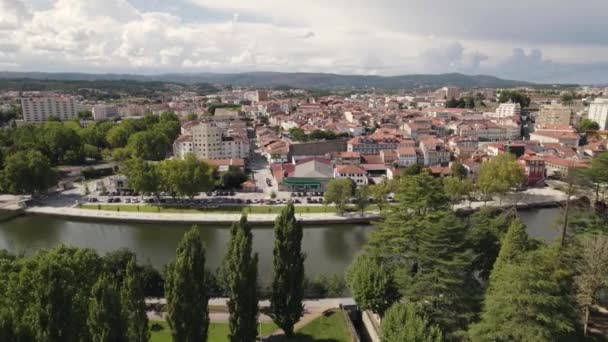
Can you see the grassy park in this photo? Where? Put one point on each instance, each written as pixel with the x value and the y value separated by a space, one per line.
pixel 328 328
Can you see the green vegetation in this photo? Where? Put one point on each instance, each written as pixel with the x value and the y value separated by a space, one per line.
pixel 499 175
pixel 179 177
pixel 186 290
pixel 372 284
pixel 287 292
pixel 218 332
pixel 298 134
pixel 405 323
pixel 339 191
pixel 514 96
pixel 585 125
pixel 330 327
pixel 241 275
pixel 27 172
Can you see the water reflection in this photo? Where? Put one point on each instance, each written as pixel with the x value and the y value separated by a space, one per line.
pixel 329 249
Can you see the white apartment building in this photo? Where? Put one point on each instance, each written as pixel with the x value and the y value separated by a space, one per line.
pixel 554 115
pixel 448 93
pixel 212 142
pixel 598 112
pixel 508 109
pixel 39 109
pixel 183 146
pixel 104 112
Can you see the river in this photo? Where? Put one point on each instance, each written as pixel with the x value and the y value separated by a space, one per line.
pixel 329 249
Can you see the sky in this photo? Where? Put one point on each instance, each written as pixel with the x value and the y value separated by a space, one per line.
pixel 533 40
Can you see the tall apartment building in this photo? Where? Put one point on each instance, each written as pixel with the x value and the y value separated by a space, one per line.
pixel 508 109
pixel 104 112
pixel 598 112
pixel 212 142
pixel 39 109
pixel 554 115
pixel 448 93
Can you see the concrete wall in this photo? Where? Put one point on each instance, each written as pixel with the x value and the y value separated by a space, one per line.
pixel 371 325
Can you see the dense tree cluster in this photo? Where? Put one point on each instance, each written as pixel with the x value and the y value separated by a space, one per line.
pixel 479 278
pixel 28 153
pixel 67 294
pixel 514 96
pixel 178 177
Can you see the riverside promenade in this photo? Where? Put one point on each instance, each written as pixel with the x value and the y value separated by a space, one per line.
pixel 531 198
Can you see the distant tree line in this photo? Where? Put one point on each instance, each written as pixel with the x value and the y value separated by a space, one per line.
pixel 298 134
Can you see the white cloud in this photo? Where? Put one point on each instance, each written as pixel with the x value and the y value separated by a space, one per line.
pixel 342 36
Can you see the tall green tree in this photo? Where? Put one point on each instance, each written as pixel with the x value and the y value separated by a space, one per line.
pixel 56 285
pixel 339 192
pixel 420 194
pixel 527 299
pixel 405 323
pixel 380 193
pixel 525 303
pixel 362 198
pixel 442 280
pixel 457 188
pixel 487 228
pixel 105 318
pixel 372 284
pixel 186 290
pixel 134 305
pixel 28 172
pixel 286 307
pixel 143 176
pixel 241 279
pixel 499 175
pixel 148 145
pixel 185 177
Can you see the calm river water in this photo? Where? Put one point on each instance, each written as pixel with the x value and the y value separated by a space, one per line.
pixel 329 249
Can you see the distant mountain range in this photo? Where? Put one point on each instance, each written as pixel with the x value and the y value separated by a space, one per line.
pixel 296 80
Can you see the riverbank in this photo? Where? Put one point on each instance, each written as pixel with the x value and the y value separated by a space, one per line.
pixel 529 199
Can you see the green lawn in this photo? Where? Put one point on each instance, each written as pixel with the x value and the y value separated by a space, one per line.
pixel 331 328
pixel 251 209
pixel 218 332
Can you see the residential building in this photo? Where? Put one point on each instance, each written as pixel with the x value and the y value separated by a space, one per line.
pixel 534 169
pixel 558 134
pixel 406 156
pixel 598 112
pixel 434 152
pixel 39 109
pixel 212 142
pixel 357 174
pixel 183 146
pixel 448 93
pixel 508 109
pixel 104 112
pixel 554 115
pixel 372 145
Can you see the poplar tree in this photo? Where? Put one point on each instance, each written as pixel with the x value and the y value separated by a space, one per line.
pixel 186 291
pixel 241 278
pixel 105 321
pixel 286 307
pixel 134 305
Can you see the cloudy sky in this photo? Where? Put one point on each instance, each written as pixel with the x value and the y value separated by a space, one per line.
pixel 536 40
